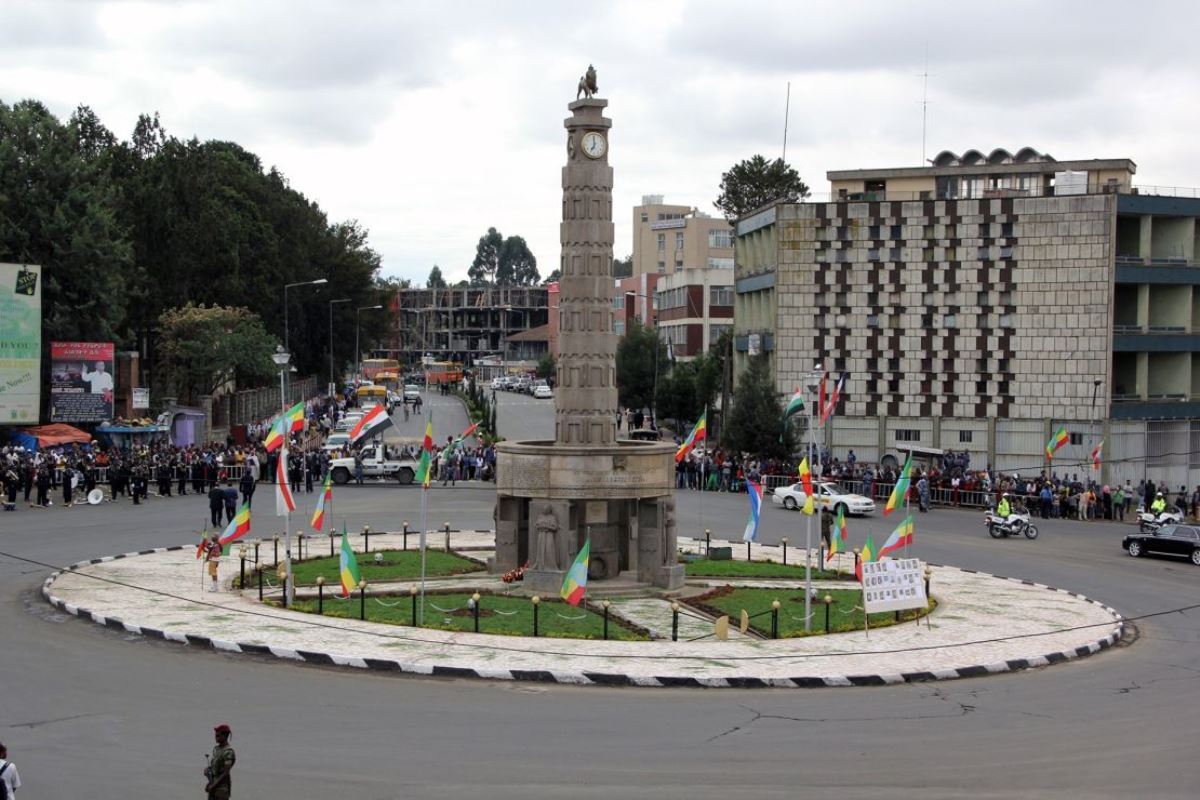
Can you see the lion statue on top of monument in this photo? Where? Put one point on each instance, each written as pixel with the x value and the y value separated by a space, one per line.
pixel 587 84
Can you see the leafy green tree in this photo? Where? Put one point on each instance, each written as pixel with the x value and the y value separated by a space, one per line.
pixel 202 348
pixel 755 423
pixel 755 182
pixel 636 365
pixel 553 276
pixel 546 366
pixel 483 270
pixel 435 280
pixel 623 267
pixel 517 264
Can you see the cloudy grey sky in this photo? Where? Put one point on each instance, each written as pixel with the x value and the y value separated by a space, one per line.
pixel 431 121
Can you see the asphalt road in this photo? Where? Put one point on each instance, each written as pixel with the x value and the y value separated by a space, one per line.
pixel 87 712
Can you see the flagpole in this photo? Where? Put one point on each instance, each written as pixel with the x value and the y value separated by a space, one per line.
pixel 703 477
pixel 808 535
pixel 424 526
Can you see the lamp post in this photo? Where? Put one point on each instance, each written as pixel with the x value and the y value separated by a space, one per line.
pixel 317 282
pixel 332 380
pixel 281 358
pixel 812 382
pixel 357 330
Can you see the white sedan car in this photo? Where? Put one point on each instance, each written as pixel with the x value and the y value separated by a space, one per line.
pixel 828 495
pixel 542 392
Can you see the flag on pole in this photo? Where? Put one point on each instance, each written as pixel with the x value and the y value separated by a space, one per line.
pixel 203 541
pixel 424 465
pixel 900 490
pixel 1097 455
pixel 575 583
pixel 348 566
pixel 806 481
pixel 373 423
pixel 238 527
pixel 867 554
pixel 827 409
pixel 293 418
pixel 470 429
pixel 821 398
pixel 284 502
pixel 326 499
pixel 795 405
pixel 275 436
pixel 900 538
pixel 1060 438
pixel 837 542
pixel 698 434
pixel 755 493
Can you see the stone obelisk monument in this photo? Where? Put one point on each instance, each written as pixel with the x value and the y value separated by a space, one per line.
pixel 586 485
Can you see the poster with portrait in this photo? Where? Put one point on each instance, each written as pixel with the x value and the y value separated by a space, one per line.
pixel 20 344
pixel 81 381
pixel 893 584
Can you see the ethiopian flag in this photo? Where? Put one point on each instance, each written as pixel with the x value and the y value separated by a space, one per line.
pixel 867 554
pixel 293 418
pixel 575 584
pixel 238 527
pixel 900 538
pixel 474 426
pixel 1056 442
pixel 1097 454
pixel 837 542
pixel 275 436
pixel 348 566
pixel 805 475
pixel 900 490
pixel 795 405
pixel 326 499
pixel 423 466
pixel 698 434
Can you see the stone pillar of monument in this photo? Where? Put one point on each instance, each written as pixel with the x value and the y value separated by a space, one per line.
pixel 586 394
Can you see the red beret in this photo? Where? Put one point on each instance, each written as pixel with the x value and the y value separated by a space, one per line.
pixel 222 728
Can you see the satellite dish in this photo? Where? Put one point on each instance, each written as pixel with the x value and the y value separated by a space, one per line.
pixel 95 497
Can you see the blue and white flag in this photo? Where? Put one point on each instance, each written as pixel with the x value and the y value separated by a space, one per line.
pixel 754 492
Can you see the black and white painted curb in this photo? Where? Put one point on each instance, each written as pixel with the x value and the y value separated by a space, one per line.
pixel 585 678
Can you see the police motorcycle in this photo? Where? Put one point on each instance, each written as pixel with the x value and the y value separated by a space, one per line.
pixel 1015 524
pixel 1149 522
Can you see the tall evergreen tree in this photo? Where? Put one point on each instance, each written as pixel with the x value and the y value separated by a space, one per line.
pixel 755 423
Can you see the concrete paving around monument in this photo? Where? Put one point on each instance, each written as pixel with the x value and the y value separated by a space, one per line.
pixel 984 624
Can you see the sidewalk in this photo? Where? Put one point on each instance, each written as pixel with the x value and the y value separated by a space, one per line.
pixel 984 624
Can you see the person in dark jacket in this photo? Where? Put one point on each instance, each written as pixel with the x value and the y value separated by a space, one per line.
pixel 216 502
pixel 247 486
pixel 231 498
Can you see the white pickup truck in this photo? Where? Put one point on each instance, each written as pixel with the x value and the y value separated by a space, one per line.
pixel 376 464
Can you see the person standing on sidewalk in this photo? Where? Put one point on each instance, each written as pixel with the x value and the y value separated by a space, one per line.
pixel 220 765
pixel 10 781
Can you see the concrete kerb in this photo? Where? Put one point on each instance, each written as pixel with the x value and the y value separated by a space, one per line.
pixel 425 663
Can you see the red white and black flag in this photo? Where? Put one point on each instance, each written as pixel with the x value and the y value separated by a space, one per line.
pixel 373 423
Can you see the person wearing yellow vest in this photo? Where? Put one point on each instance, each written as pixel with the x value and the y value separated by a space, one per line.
pixel 1159 505
pixel 1003 509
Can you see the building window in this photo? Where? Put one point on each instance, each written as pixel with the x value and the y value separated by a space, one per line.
pixel 720 295
pixel 678 241
pixel 619 300
pixel 619 327
pixel 872 320
pixel 662 242
pixel 894 385
pixel 645 217
pixel 873 232
pixel 873 254
pixel 981 298
pixel 662 268
pixel 908 435
pixel 1006 320
pixel 1006 229
pixel 964 437
pixel 894 255
pixel 842 257
pixel 982 253
pixel 720 263
pixel 1006 251
pixel 720 238
pixel 894 364
pixel 896 232
pixel 950 321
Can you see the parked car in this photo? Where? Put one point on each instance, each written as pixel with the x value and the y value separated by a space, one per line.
pixel 336 441
pixel 1171 540
pixel 827 495
pixel 542 392
pixel 498 382
pixel 411 392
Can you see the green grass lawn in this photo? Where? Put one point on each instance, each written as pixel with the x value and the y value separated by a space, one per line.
pixel 398 565
pixel 791 613
pixel 704 568
pixel 498 614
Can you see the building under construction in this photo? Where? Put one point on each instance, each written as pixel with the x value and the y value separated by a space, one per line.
pixel 469 324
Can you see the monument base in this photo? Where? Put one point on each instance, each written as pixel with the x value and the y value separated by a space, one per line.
pixel 545 582
pixel 670 578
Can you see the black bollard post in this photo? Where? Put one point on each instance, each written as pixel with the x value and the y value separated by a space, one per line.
pixel 283 578
pixel 320 595
pixel 747 552
pixel 332 534
pixel 774 619
pixel 707 541
pixel 276 549
pixel 606 605
pixel 536 602
pixel 784 541
pixel 405 534
pixel 828 602
pixel 242 570
pixel 257 544
pixel 413 592
pixel 475 608
pixel 260 583
pixel 362 601
pixel 366 538
pixel 674 622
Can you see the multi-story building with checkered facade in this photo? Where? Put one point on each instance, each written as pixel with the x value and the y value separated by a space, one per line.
pixel 978 303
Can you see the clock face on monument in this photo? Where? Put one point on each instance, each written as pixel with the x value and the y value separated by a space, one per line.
pixel 594 144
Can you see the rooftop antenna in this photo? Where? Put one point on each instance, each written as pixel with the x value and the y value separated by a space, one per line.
pixel 787 107
pixel 924 101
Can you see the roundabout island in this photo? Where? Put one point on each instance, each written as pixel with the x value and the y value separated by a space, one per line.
pixel 980 624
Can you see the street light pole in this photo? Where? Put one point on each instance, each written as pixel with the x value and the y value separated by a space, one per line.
pixel 332 380
pixel 357 331
pixel 281 358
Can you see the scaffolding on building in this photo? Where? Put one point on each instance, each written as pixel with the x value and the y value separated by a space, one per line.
pixel 466 324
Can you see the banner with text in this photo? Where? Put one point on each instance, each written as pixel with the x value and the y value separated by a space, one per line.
pixel 20 344
pixel 81 381
pixel 893 584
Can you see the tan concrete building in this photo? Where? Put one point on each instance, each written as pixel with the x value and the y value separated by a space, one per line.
pixel 670 238
pixel 695 306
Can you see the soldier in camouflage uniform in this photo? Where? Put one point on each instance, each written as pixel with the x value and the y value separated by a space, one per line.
pixel 220 764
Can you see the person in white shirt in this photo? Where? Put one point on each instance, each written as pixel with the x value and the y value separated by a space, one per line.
pixel 100 380
pixel 8 773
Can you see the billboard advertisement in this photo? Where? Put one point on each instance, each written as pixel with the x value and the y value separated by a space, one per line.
pixel 20 344
pixel 81 381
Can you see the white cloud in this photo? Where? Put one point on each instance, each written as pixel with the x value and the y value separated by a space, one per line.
pixel 429 122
